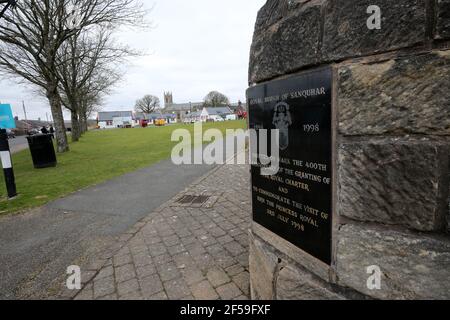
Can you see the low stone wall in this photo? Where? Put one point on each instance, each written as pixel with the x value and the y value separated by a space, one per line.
pixel 391 105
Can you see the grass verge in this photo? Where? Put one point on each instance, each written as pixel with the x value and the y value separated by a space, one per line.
pixel 97 157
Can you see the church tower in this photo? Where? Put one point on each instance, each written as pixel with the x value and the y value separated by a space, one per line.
pixel 168 99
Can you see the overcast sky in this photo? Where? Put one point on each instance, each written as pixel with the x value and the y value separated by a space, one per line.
pixel 195 47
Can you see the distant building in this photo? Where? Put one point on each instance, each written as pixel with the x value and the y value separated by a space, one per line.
pixel 195 111
pixel 138 116
pixel 181 110
pixel 152 117
pixel 217 114
pixel 115 119
pixel 168 99
pixel 192 117
pixel 23 127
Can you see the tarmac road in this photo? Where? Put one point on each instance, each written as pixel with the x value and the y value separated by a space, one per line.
pixel 18 144
pixel 38 246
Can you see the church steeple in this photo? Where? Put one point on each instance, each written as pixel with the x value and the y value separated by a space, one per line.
pixel 168 99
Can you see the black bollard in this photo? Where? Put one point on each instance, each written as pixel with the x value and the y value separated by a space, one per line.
pixel 8 171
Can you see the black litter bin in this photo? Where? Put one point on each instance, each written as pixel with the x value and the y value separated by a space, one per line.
pixel 42 151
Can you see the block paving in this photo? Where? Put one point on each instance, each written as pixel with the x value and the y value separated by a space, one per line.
pixel 180 252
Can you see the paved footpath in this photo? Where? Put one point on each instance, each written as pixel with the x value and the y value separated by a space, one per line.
pixel 37 246
pixel 183 249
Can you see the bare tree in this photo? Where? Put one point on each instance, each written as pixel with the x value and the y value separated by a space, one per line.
pixel 147 104
pixel 97 87
pixel 216 99
pixel 88 110
pixel 88 68
pixel 7 4
pixel 33 32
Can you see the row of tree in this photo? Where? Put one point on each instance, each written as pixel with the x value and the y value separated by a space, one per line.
pixel 149 103
pixel 66 50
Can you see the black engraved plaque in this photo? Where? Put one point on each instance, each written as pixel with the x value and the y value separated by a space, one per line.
pixel 295 203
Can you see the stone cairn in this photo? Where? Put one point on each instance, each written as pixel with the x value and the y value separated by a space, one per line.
pixel 391 109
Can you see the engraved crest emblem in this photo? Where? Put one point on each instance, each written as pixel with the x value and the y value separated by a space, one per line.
pixel 282 121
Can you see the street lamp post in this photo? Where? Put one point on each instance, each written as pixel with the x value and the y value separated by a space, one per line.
pixel 8 4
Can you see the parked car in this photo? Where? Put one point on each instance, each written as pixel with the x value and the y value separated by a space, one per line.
pixel 160 123
pixel 33 131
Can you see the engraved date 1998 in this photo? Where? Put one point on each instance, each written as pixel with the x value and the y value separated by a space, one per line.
pixel 311 128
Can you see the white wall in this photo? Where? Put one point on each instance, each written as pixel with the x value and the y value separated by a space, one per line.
pixel 215 118
pixel 103 125
pixel 119 121
pixel 231 117
pixel 204 116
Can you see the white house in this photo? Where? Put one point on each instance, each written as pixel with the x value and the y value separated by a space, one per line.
pixel 150 118
pixel 216 114
pixel 192 117
pixel 115 119
pixel 231 117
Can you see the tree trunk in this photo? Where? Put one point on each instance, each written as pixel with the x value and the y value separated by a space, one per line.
pixel 76 130
pixel 58 119
pixel 84 124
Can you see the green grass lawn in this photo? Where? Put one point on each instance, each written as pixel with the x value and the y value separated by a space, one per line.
pixel 97 157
